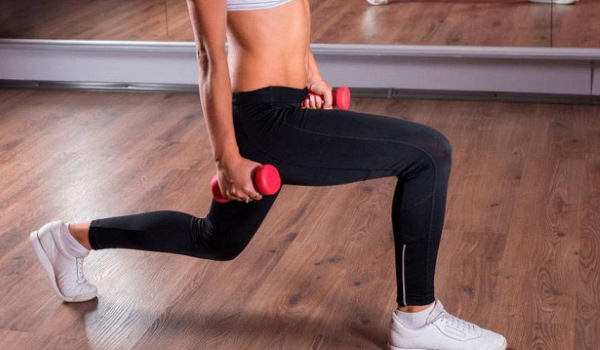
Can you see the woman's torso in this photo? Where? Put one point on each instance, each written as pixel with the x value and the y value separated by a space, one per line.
pixel 268 46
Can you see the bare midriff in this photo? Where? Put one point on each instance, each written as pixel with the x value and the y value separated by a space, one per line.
pixel 268 47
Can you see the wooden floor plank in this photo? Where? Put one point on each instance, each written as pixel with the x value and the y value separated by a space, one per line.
pixel 587 328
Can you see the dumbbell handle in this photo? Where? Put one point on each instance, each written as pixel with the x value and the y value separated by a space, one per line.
pixel 341 97
pixel 266 180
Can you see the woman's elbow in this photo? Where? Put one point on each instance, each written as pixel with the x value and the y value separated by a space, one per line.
pixel 210 57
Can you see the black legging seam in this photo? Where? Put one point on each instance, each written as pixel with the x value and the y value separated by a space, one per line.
pixel 430 287
pixel 355 139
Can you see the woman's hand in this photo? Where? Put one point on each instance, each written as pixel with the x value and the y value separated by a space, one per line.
pixel 235 178
pixel 323 90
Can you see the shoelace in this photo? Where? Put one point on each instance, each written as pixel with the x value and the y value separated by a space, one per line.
pixel 457 323
pixel 80 276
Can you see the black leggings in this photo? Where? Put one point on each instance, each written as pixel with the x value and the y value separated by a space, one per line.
pixel 313 148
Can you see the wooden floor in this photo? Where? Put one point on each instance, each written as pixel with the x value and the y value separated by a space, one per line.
pixel 406 22
pixel 520 252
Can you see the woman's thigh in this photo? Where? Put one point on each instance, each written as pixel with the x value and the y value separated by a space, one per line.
pixel 329 147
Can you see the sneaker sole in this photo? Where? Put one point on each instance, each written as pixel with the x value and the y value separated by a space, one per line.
pixel 391 347
pixel 47 265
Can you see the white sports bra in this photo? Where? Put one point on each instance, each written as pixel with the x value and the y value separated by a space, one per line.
pixel 241 5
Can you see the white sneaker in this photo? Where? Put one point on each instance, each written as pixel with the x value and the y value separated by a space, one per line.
pixel 377 2
pixel 64 270
pixel 443 332
pixel 558 2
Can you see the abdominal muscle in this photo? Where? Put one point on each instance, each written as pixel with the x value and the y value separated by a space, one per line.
pixel 268 47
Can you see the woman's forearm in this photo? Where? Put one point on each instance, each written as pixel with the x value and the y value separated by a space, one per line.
pixel 215 96
pixel 313 74
pixel 209 20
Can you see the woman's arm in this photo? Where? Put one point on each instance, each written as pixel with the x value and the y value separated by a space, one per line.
pixel 315 83
pixel 209 20
pixel 314 80
pixel 209 23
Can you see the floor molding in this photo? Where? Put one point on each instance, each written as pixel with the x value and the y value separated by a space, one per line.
pixel 357 92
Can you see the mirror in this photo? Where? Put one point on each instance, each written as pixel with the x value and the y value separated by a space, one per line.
pixel 131 20
pixel 402 22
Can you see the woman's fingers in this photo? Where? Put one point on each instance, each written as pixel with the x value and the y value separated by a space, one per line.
pixel 305 104
pixel 328 100
pixel 242 194
pixel 248 194
pixel 313 102
pixel 316 101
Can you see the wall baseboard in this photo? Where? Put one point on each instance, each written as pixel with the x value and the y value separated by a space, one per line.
pixel 448 72
pixel 357 92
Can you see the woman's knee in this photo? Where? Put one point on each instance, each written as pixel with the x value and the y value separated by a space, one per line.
pixel 431 152
pixel 216 244
pixel 442 149
pixel 438 148
pixel 226 253
pixel 218 250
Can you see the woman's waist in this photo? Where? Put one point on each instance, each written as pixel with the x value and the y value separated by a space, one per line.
pixel 250 70
pixel 270 94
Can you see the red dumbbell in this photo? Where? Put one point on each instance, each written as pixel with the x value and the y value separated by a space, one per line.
pixel 341 97
pixel 266 180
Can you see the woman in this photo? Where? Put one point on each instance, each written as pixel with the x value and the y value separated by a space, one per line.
pixel 255 106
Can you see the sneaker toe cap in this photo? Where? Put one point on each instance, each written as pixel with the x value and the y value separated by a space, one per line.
pixel 85 294
pixel 83 297
pixel 494 341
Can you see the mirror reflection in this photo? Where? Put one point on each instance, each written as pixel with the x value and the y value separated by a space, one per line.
pixel 400 22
